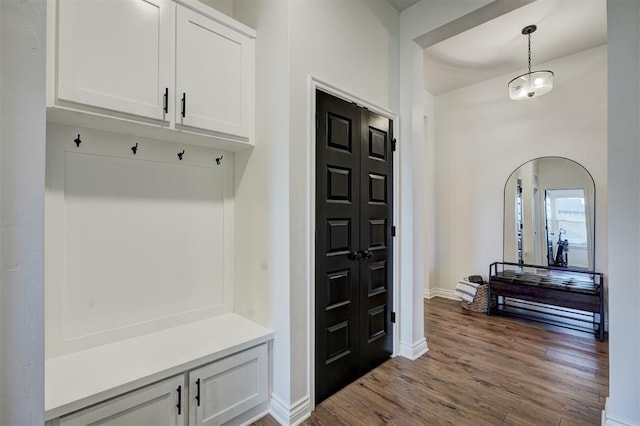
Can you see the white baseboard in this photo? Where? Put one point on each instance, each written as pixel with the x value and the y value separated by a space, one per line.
pixel 255 417
pixel 441 292
pixel 415 350
pixel 290 415
pixel 610 421
pixel 607 420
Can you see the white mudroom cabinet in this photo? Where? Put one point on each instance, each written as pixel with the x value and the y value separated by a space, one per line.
pixel 173 70
pixel 147 102
pixel 226 386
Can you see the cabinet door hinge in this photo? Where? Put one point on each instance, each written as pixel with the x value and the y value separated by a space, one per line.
pixel 393 317
pixel 394 144
pixel 393 231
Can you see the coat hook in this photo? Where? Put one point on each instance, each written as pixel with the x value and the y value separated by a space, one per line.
pixel 135 149
pixel 219 160
pixel 77 140
pixel 180 154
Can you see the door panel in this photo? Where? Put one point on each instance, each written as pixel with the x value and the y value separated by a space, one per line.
pixel 376 213
pixel 337 222
pixel 353 225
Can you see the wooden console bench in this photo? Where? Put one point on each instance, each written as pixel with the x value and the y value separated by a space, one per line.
pixel 559 287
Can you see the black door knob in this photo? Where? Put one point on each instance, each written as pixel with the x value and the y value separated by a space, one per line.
pixel 355 255
pixel 366 254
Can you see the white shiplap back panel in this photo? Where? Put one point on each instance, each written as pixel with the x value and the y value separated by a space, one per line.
pixel 136 243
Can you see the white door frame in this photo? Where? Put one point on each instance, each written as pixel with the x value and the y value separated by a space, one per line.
pixel 315 84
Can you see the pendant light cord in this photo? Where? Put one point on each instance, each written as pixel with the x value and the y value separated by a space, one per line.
pixel 529 37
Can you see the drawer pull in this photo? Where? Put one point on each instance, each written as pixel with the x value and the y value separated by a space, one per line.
pixel 179 400
pixel 166 100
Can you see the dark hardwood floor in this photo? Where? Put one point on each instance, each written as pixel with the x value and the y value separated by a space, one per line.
pixel 479 371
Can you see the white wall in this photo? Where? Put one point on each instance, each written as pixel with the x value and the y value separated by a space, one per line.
pixel 430 231
pixel 22 156
pixel 623 155
pixel 262 283
pixel 482 136
pixel 225 6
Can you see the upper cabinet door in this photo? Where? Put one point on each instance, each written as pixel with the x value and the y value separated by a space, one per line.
pixel 116 55
pixel 214 75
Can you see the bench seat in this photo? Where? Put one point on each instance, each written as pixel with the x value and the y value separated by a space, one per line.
pixel 573 289
pixel 571 284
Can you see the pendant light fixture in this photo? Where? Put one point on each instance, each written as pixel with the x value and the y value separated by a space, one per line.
pixel 532 84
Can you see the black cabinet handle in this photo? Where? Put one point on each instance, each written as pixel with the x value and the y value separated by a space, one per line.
pixel 198 392
pixel 166 100
pixel 179 400
pixel 366 254
pixel 184 104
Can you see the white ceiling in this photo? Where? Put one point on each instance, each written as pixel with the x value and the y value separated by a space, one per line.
pixel 401 5
pixel 497 47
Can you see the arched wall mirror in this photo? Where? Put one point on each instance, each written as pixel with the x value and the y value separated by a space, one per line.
pixel 549 214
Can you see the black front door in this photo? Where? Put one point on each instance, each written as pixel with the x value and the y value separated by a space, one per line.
pixel 354 192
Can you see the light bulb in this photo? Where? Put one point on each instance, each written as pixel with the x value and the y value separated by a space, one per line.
pixel 538 82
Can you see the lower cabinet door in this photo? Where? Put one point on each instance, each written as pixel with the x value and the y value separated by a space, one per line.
pixel 224 389
pixel 162 403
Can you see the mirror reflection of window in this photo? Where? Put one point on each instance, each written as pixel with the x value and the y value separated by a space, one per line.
pixel 566 220
pixel 550 199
